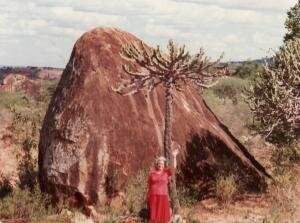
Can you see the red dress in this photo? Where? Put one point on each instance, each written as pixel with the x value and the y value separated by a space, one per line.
pixel 158 198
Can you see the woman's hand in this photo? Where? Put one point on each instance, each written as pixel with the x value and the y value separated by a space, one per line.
pixel 175 152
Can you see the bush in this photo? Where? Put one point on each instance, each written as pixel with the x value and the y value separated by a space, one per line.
pixel 136 190
pixel 248 69
pixel 8 99
pixel 190 217
pixel 286 156
pixel 274 96
pixel 26 204
pixel 5 186
pixel 230 88
pixel 188 196
pixel 27 121
pixel 47 90
pixel 226 188
pixel 28 172
pixel 283 196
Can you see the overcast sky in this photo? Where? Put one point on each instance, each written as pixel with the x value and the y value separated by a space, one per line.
pixel 43 32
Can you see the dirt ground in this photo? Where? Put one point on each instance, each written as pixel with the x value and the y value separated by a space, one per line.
pixel 250 208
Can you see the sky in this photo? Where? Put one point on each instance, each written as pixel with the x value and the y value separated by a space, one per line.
pixel 43 32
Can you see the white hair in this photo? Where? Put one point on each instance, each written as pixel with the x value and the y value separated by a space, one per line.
pixel 161 158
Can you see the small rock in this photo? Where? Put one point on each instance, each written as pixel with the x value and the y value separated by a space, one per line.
pixel 209 203
pixel 117 202
pixel 177 219
pixel 66 212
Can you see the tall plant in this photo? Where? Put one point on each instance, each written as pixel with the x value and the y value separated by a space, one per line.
pixel 275 95
pixel 292 23
pixel 172 70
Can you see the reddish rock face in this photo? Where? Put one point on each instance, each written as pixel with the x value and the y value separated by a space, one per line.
pixel 94 139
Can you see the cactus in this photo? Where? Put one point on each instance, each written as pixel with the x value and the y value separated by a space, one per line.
pixel 172 70
pixel 292 23
pixel 275 96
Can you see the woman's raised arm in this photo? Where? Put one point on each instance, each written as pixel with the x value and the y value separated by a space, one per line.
pixel 174 156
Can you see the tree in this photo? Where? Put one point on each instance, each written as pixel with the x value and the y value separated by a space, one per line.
pixel 274 97
pixel 172 70
pixel 248 69
pixel 292 23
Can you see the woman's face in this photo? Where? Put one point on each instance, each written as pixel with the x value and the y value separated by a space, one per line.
pixel 160 165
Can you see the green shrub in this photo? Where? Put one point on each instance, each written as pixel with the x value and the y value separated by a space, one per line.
pixel 187 196
pixel 274 96
pixel 248 69
pixel 230 88
pixel 8 99
pixel 190 216
pixel 47 90
pixel 211 99
pixel 23 203
pixel 27 121
pixel 5 185
pixel 283 196
pixel 226 188
pixel 286 156
pixel 109 219
pixel 132 203
pixel 28 171
pixel 237 117
pixel 136 190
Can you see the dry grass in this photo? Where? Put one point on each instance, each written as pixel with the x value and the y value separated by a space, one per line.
pixel 226 188
pixel 284 191
pixel 25 204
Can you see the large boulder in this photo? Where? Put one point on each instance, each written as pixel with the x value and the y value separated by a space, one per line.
pixel 93 139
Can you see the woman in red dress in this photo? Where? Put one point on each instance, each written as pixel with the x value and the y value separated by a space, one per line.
pixel 157 196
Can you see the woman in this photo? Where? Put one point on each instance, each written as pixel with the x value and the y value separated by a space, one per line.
pixel 157 196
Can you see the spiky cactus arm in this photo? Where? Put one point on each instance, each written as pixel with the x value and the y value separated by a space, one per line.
pixel 157 68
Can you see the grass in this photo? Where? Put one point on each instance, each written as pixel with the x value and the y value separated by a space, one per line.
pixel 136 189
pixel 226 188
pixel 233 112
pixel 283 160
pixel 226 101
pixel 283 197
pixel 188 196
pixel 25 204
pixel 8 99
pixel 47 89
pixel 5 186
pixel 230 88
pixel 26 200
pixel 283 190
pixel 128 205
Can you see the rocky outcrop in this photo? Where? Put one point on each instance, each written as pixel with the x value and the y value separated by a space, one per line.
pixel 48 74
pixel 93 139
pixel 19 82
pixel 33 73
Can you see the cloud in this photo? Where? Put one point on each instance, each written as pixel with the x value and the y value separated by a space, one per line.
pixel 42 32
pixel 257 5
